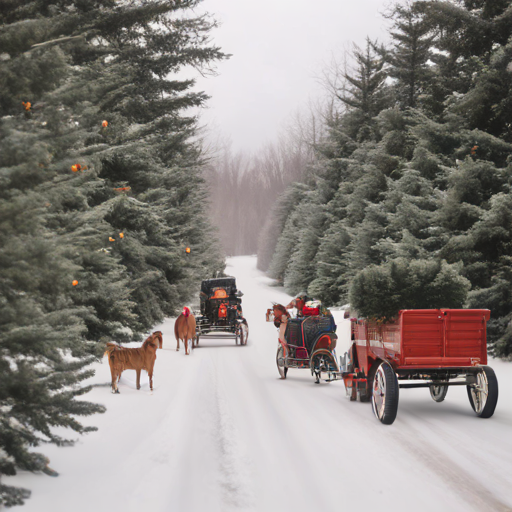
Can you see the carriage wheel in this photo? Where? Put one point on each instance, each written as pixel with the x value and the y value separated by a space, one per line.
pixel 281 368
pixel 385 394
pixel 241 334
pixel 483 395
pixel 438 393
pixel 245 326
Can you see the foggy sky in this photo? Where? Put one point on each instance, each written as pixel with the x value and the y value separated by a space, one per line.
pixel 279 49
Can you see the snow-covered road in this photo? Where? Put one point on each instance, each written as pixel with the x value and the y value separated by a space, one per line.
pixel 221 432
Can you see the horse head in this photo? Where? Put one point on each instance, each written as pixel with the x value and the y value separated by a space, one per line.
pixel 279 310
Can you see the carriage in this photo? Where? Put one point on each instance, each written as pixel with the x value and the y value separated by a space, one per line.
pixel 309 342
pixel 426 348
pixel 221 311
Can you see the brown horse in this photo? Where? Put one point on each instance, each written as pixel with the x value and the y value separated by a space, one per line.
pixel 138 359
pixel 185 329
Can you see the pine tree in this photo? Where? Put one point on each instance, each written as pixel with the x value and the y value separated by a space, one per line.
pixel 366 93
pixel 285 215
pixel 408 58
pixel 381 291
pixel 89 114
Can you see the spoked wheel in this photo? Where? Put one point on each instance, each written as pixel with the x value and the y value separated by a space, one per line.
pixel 483 395
pixel 438 393
pixel 280 361
pixel 245 329
pixel 385 394
pixel 323 360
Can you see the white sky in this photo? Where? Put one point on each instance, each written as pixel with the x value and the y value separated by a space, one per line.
pixel 279 48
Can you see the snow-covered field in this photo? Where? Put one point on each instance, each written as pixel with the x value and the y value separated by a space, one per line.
pixel 221 432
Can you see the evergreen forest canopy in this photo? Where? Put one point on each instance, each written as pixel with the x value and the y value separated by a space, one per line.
pixel 408 202
pixel 101 191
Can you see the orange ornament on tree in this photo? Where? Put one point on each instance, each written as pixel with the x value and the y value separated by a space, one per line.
pixel 104 124
pixel 27 105
pixel 121 235
pixel 75 282
pixel 187 250
pixel 74 168
pixel 110 239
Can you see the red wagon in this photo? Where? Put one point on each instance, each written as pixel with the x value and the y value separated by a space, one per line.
pixel 434 348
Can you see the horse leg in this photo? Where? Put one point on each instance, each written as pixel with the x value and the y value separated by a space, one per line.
pixel 138 378
pixel 178 343
pixel 150 373
pixel 185 341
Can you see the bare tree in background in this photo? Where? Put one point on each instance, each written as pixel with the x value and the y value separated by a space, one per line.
pixel 244 188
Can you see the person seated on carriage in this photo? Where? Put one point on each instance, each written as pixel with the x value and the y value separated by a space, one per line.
pixel 306 306
pixel 298 303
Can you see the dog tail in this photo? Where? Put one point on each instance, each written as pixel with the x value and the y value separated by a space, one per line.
pixel 111 346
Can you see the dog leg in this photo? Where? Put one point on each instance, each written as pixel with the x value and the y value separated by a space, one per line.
pixel 114 383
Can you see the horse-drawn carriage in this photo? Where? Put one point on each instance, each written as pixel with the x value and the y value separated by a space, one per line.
pixel 221 311
pixel 309 342
pixel 430 348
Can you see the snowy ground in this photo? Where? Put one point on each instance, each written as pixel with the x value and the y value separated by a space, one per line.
pixel 221 432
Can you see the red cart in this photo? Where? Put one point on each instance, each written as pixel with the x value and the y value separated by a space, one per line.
pixel 431 348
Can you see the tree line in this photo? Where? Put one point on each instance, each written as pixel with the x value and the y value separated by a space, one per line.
pixel 101 193
pixel 243 187
pixel 407 202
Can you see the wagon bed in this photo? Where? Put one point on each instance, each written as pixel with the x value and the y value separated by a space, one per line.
pixel 435 348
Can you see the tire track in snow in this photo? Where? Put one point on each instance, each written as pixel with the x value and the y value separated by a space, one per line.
pixel 303 486
pixel 233 460
pixel 467 487
pixel 461 444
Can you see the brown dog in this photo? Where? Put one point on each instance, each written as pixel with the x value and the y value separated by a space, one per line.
pixel 142 358
pixel 185 328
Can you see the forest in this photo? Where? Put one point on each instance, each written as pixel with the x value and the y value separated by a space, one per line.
pixel 402 196
pixel 395 193
pixel 102 192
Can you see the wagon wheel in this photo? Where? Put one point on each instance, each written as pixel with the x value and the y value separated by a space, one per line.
pixel 245 328
pixel 280 361
pixel 385 394
pixel 241 335
pixel 483 395
pixel 438 392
